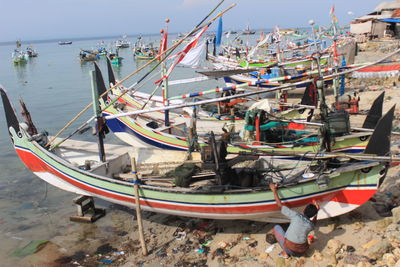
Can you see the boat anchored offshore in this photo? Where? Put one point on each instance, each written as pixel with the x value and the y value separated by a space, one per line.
pixel 65 42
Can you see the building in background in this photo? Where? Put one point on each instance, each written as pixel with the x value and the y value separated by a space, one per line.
pixel 384 22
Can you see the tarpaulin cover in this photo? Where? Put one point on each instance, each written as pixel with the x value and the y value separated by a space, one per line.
pixel 390 20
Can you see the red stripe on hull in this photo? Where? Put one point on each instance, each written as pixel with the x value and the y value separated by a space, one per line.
pixel 348 196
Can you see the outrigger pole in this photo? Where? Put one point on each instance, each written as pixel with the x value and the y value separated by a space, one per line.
pixel 202 102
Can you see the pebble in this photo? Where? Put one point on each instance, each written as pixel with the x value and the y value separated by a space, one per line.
pixel 396 215
pixel 389 259
pixel 377 250
pixel 334 246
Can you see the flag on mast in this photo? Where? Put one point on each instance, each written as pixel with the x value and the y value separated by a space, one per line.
pixel 181 55
pixel 332 11
pixel 163 43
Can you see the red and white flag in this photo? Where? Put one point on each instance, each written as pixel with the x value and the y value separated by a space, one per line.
pixel 332 11
pixel 181 55
pixel 163 43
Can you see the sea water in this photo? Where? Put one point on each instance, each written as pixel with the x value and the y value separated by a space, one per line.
pixel 55 87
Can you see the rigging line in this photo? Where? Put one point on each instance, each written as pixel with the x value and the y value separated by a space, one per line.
pixel 161 59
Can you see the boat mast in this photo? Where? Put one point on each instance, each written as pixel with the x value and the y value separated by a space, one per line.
pixel 97 113
pixel 164 89
pixel 335 54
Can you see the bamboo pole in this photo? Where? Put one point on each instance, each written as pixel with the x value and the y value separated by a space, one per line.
pixel 166 53
pixel 137 205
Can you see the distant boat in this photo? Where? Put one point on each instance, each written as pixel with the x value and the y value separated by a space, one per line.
pixel 123 43
pixel 231 32
pixel 31 52
pixel 87 55
pixel 19 57
pixel 144 51
pixel 65 43
pixel 115 58
pixel 247 31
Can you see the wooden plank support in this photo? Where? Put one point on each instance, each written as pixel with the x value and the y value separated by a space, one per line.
pixel 86 210
pixel 137 204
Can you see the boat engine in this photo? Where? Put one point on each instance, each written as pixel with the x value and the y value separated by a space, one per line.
pixel 214 157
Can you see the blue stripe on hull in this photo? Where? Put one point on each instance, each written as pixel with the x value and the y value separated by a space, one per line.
pixel 117 126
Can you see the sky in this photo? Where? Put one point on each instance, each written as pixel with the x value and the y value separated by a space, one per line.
pixel 52 19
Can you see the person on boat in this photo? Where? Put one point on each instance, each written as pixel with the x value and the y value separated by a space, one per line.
pixel 294 242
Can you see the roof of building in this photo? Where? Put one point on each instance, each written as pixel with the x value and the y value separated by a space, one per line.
pixel 396 13
pixel 372 16
pixel 388 5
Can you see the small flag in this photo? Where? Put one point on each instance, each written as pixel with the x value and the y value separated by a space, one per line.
pixel 163 44
pixel 332 11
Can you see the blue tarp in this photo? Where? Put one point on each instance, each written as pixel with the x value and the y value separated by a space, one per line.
pixel 219 32
pixel 390 20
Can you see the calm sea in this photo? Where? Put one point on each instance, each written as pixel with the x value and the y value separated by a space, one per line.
pixel 55 87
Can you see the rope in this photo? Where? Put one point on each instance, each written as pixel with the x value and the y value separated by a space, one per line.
pixel 287 142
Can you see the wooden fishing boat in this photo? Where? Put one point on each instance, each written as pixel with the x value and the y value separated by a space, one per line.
pixel 31 52
pixel 87 55
pixel 123 43
pixel 116 60
pixel 19 57
pixel 150 130
pixel 143 52
pixel 74 166
pixel 65 42
pixel 248 31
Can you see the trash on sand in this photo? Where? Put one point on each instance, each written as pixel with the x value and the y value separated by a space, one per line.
pixel 219 252
pixel 180 235
pixel 206 243
pixel 310 239
pixel 246 238
pixel 119 253
pixel 253 244
pixel 270 248
pixel 161 253
pixel 270 238
pixel 30 248
pixel 222 244
pixel 106 261
pixel 199 250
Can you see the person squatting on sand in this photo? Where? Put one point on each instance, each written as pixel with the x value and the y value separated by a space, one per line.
pixel 295 241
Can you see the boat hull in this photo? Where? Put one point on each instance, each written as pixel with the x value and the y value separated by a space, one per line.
pixel 345 192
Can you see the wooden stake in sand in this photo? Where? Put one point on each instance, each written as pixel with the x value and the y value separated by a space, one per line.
pixel 137 202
